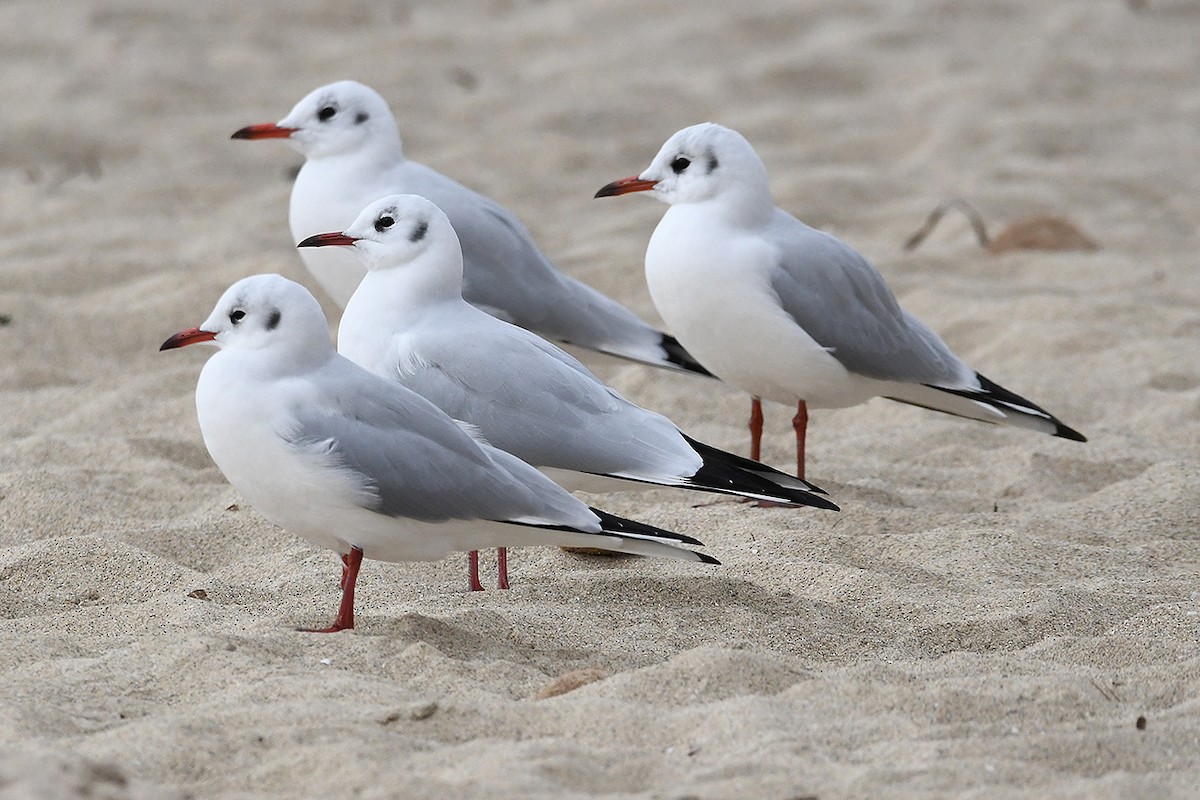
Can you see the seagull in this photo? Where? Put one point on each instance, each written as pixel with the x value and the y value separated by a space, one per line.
pixel 787 312
pixel 409 322
pixel 361 466
pixel 351 145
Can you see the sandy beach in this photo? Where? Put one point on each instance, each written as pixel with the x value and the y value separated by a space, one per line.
pixel 993 614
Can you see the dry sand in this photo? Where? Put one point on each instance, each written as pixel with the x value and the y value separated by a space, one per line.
pixel 989 616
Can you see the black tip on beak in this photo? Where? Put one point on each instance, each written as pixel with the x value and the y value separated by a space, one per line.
pixel 328 240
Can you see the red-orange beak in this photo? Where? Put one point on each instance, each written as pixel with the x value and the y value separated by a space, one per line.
pixel 267 130
pixel 184 338
pixel 625 186
pixel 328 240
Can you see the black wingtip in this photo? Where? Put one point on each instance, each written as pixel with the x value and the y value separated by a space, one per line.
pixel 680 357
pixel 796 500
pixel 994 394
pixel 707 559
pixel 614 524
pixel 1060 430
pixel 1063 432
pixel 817 501
pixel 733 474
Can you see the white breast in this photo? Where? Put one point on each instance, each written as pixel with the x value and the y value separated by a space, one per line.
pixel 711 285
pixel 327 197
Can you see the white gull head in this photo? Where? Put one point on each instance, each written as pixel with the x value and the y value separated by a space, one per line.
pixel 342 118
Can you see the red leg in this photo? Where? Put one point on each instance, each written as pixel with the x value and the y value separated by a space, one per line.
pixel 756 425
pixel 473 584
pixel 800 425
pixel 345 616
pixel 502 566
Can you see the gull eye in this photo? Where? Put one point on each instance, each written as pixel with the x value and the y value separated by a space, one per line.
pixel 680 164
pixel 383 223
pixel 237 316
pixel 326 113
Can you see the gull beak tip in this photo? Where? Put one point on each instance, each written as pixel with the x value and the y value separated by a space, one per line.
pixel 328 239
pixel 626 186
pixel 184 338
pixel 267 130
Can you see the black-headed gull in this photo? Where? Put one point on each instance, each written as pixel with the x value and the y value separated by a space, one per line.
pixel 785 311
pixel 351 145
pixel 361 465
pixel 408 322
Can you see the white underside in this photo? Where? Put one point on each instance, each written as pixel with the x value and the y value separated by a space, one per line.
pixel 320 205
pixel 716 299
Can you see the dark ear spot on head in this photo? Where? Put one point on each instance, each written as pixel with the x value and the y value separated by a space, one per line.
pixel 361 117
pixel 419 232
pixel 273 319
pixel 712 162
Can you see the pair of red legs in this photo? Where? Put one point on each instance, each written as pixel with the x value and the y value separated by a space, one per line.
pixel 353 560
pixel 473 583
pixel 799 425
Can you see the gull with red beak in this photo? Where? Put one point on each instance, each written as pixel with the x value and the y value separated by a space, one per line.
pixel 353 156
pixel 787 312
pixel 364 467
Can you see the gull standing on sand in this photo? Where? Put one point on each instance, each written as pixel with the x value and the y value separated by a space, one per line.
pixel 359 465
pixel 408 322
pixel 351 145
pixel 787 312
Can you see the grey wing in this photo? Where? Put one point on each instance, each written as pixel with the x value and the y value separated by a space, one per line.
pixel 412 459
pixel 505 273
pixel 530 398
pixel 843 303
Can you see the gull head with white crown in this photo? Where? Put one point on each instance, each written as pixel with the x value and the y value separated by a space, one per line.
pixel 342 118
pixel 263 312
pixel 700 163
